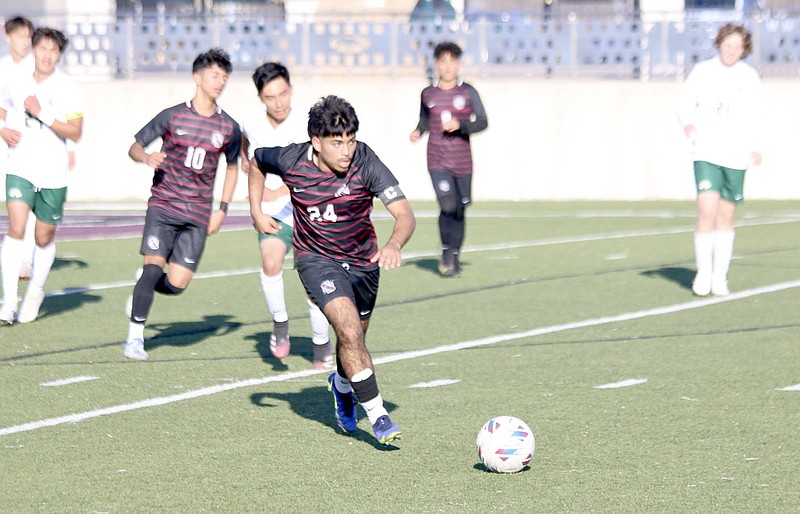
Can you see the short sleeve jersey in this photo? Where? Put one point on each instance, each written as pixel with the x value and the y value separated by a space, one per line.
pixel 450 151
pixel 183 186
pixel 260 133
pixel 332 211
pixel 41 155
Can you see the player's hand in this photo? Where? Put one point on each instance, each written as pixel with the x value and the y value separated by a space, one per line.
pixel 265 224
pixel 10 136
pixel 690 131
pixel 414 136
pixel 453 125
pixel 215 223
pixel 388 257
pixel 33 106
pixel 245 166
pixel 155 159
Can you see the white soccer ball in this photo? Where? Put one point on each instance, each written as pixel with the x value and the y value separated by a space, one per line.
pixel 505 444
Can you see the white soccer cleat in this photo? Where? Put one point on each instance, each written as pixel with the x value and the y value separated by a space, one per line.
pixel 134 349
pixel 719 287
pixel 30 306
pixel 701 286
pixel 7 316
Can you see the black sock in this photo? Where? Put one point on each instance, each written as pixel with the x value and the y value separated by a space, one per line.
pixel 143 292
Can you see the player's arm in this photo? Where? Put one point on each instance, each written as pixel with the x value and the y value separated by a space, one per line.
pixel 264 161
pixel 405 222
pixel 244 152
pixel 422 125
pixel 10 136
pixel 71 129
pixel 477 120
pixel 154 129
pixel 138 153
pixel 218 216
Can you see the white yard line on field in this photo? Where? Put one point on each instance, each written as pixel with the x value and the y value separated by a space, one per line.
pixel 207 391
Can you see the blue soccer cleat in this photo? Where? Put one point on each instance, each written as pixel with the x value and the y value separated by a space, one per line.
pixel 344 406
pixel 385 430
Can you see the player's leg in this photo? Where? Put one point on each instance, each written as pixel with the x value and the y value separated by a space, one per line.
pixel 323 358
pixel 708 179
pixel 731 196
pixel 29 245
pixel 274 248
pixel 20 199
pixel 49 208
pixel 447 196
pixel 463 186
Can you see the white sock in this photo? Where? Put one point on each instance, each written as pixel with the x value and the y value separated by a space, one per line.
pixel 43 259
pixel 723 252
pixel 375 409
pixel 135 331
pixel 273 293
pixel 11 260
pixel 704 252
pixel 29 241
pixel 342 384
pixel 319 324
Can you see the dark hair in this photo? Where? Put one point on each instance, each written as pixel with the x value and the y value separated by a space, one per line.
pixel 54 35
pixel 332 116
pixel 268 72
pixel 214 56
pixel 729 29
pixel 447 47
pixel 18 22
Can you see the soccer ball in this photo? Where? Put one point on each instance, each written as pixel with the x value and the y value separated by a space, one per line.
pixel 505 444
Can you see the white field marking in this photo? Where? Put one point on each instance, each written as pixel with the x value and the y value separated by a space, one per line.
pixel 435 383
pixel 67 381
pixel 207 391
pixel 622 383
pixel 795 387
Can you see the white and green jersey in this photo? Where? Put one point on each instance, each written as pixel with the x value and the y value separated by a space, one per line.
pixel 726 105
pixel 260 133
pixel 41 155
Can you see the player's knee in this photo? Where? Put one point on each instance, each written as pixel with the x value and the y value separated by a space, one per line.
pixel 165 287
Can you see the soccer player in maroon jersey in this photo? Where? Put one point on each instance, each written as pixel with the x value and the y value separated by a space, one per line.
pixel 450 111
pixel 180 214
pixel 332 181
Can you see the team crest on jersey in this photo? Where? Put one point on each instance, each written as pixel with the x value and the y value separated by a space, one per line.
pixel 342 191
pixel 328 286
pixel 459 102
pixel 15 193
pixel 217 140
pixel 153 243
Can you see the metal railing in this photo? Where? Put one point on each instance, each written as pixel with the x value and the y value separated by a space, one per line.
pixel 621 46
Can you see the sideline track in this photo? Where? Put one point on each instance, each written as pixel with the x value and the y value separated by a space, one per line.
pixel 207 391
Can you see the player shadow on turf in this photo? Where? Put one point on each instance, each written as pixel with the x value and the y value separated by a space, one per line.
pixel 316 404
pixel 60 263
pixel 186 333
pixel 431 265
pixel 301 347
pixel 59 304
pixel 681 276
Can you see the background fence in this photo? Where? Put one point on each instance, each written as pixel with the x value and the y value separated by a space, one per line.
pixel 616 46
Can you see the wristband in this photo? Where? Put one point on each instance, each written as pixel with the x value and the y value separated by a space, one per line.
pixel 223 206
pixel 47 118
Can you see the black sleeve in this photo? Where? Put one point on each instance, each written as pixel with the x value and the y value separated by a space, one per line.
pixel 478 120
pixel 155 128
pixel 234 145
pixel 268 160
pixel 424 116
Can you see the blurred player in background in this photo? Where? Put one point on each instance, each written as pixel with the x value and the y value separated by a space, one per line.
pixel 720 109
pixel 278 125
pixel 180 215
pixel 450 110
pixel 40 111
pixel 333 180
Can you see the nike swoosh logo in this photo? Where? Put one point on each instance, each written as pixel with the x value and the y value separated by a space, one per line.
pixel 138 319
pixel 364 313
pixel 180 132
pixel 188 260
pixel 297 189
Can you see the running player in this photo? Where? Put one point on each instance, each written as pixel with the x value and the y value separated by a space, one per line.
pixel 275 125
pixel 39 113
pixel 450 110
pixel 333 180
pixel 180 214
pixel 721 108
